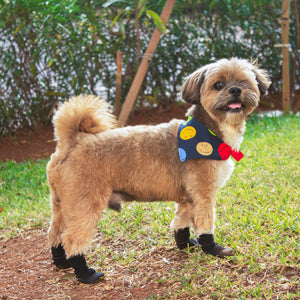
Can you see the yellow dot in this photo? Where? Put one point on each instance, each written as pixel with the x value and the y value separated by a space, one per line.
pixel 187 133
pixel 204 148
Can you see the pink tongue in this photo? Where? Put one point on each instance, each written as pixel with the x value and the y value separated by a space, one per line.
pixel 235 105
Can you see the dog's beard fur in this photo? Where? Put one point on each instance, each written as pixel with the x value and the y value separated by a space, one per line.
pixel 95 162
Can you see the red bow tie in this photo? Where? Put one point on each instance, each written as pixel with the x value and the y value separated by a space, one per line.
pixel 225 151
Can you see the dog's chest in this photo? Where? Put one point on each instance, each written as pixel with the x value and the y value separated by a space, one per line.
pixel 233 137
pixel 224 172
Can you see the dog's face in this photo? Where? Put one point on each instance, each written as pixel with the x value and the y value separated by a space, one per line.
pixel 229 90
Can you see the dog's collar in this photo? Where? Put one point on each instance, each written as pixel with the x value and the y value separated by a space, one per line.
pixel 196 141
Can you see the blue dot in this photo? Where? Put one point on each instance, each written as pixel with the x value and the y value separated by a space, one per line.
pixel 182 154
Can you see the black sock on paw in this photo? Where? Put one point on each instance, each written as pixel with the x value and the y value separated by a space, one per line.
pixel 207 242
pixel 59 257
pixel 182 238
pixel 209 246
pixel 83 273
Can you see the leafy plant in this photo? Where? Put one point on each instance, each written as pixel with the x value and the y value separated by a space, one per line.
pixel 50 50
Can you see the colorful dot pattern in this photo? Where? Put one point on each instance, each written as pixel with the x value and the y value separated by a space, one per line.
pixel 196 141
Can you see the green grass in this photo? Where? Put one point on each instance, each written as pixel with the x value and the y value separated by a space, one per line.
pixel 258 214
pixel 24 196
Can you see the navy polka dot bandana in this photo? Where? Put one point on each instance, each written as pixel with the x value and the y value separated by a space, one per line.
pixel 196 141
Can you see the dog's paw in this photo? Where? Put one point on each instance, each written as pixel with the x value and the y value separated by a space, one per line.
pixel 83 273
pixel 91 277
pixel 62 266
pixel 210 247
pixel 182 237
pixel 220 251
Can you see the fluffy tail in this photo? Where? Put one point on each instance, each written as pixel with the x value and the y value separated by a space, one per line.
pixel 84 113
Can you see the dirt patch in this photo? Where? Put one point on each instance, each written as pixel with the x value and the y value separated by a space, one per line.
pixel 28 273
pixel 274 102
pixel 28 144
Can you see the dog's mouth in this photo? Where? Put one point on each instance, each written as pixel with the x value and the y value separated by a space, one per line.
pixel 233 107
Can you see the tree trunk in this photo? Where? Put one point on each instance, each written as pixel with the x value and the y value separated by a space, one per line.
pixel 143 68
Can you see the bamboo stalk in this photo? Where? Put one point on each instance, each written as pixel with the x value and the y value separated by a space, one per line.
pixel 143 68
pixel 285 56
pixel 295 62
pixel 118 84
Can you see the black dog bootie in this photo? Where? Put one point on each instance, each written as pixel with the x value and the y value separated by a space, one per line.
pixel 206 241
pixel 83 273
pixel 209 246
pixel 59 257
pixel 182 238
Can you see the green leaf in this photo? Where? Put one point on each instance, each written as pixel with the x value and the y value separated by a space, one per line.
pixel 73 82
pixel 122 29
pixel 33 69
pixel 155 92
pixel 141 11
pixel 109 3
pixel 146 22
pixel 117 17
pixel 52 93
pixel 71 55
pixel 50 62
pixel 157 21
pixel 141 4
pixel 16 30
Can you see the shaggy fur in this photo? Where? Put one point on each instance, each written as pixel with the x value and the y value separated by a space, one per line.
pixel 96 164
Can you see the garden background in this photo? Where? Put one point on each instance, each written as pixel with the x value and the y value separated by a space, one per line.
pixel 50 50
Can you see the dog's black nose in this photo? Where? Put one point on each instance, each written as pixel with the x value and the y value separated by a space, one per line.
pixel 235 91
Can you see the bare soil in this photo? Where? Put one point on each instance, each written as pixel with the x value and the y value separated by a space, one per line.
pixel 26 269
pixel 28 273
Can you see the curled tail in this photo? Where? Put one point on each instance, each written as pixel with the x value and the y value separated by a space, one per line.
pixel 84 113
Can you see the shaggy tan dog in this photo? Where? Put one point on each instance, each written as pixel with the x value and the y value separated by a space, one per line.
pixel 96 164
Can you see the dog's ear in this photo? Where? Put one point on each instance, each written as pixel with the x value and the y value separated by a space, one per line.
pixel 262 79
pixel 191 86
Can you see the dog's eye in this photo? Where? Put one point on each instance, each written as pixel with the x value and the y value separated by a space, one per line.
pixel 219 85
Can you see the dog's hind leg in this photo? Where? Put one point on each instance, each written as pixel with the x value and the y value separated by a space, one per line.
pixel 54 234
pixel 81 223
pixel 81 217
pixel 181 226
pixel 57 225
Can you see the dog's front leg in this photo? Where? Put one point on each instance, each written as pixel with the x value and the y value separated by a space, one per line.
pixel 181 226
pixel 203 216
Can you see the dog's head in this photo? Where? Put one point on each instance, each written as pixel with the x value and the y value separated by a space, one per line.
pixel 229 89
